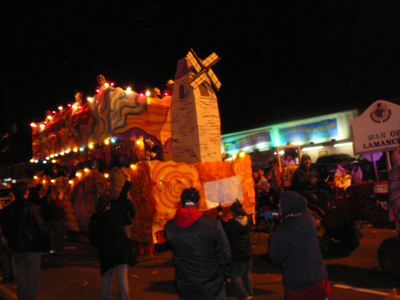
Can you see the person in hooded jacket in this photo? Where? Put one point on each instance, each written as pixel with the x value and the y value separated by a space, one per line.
pixel 238 233
pixel 200 249
pixel 294 244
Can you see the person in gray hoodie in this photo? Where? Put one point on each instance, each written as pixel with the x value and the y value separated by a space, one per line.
pixel 294 244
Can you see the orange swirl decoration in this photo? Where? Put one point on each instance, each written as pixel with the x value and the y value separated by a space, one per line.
pixel 144 202
pixel 242 167
pixel 169 180
pixel 211 171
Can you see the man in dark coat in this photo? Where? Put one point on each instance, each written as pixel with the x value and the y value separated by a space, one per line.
pixel 27 236
pixel 305 182
pixel 200 249
pixel 107 233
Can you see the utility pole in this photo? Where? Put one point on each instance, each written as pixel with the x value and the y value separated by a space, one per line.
pixel 10 136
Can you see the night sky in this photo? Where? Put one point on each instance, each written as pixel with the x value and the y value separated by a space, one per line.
pixel 281 61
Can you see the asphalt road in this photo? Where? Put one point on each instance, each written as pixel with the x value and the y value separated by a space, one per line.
pixel 77 275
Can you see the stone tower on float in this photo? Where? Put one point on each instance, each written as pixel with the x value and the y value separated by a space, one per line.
pixel 195 121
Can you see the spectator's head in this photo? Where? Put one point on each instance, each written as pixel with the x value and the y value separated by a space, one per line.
pixel 20 190
pixel 102 204
pixel 273 162
pixel 306 160
pixel 237 209
pixel 396 157
pixel 260 172
pixel 256 176
pixel 190 198
pixel 293 203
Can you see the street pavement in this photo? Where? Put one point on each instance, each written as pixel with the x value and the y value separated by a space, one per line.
pixel 77 274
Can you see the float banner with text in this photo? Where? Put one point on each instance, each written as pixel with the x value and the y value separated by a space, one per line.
pixel 326 129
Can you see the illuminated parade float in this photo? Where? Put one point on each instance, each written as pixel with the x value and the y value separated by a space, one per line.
pixel 167 142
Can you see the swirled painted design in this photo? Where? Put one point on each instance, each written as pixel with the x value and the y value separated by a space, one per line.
pixel 242 167
pixel 109 110
pixel 169 180
pixel 145 203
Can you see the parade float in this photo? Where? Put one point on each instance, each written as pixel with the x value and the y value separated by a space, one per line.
pixel 183 123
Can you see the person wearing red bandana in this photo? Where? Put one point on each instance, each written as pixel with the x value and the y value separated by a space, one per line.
pixel 200 249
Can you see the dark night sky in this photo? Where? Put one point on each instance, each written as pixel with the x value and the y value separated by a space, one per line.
pixel 281 61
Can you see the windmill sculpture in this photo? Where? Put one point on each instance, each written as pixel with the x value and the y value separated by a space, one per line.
pixel 195 121
pixel 203 69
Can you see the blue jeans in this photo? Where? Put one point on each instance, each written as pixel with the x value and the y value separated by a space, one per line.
pixel 221 296
pixel 241 278
pixel 28 267
pixel 123 286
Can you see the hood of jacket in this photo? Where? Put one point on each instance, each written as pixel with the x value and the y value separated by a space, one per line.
pixel 293 203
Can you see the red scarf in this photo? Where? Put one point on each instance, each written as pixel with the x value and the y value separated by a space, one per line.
pixel 185 217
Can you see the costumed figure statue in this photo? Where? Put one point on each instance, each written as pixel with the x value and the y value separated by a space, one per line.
pixel 153 151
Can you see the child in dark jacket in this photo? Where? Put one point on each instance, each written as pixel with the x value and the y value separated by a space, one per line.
pixel 238 233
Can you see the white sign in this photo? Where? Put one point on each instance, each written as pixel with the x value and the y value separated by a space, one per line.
pixel 223 191
pixel 377 129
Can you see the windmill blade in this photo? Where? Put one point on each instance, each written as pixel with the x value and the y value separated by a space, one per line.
pixel 214 79
pixel 211 60
pixel 194 60
pixel 198 80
